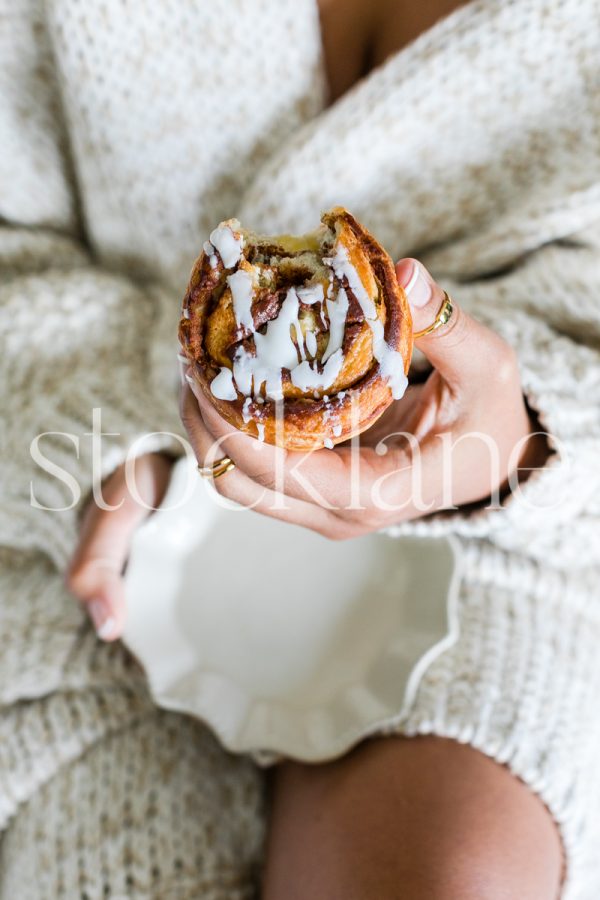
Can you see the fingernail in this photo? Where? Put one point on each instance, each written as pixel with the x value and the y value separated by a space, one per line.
pixel 104 623
pixel 196 391
pixel 417 287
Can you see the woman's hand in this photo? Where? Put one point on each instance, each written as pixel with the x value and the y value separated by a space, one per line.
pixel 95 575
pixel 453 440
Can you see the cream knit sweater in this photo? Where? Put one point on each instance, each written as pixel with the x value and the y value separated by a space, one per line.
pixel 127 131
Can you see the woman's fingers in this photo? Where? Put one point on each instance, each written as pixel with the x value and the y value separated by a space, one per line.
pixel 322 478
pixel 463 350
pixel 95 575
pixel 264 463
pixel 237 485
pixel 359 489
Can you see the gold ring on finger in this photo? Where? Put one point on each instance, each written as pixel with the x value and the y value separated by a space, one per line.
pixel 444 314
pixel 216 469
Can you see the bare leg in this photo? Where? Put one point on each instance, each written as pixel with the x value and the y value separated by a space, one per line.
pixel 413 819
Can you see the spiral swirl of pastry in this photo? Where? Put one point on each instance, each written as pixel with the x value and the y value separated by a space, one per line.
pixel 300 341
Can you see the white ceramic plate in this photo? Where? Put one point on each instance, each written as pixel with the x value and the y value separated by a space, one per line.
pixel 281 641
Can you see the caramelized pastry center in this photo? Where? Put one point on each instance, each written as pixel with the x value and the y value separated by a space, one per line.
pixel 293 320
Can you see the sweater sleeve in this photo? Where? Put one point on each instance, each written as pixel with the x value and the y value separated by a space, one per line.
pixel 548 309
pixel 76 338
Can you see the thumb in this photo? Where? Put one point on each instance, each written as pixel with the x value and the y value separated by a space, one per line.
pixel 458 348
pixel 95 575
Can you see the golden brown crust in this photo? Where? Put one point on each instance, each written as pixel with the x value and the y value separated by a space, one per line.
pixel 302 421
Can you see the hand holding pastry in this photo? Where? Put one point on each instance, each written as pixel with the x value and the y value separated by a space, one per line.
pixel 471 400
pixel 301 342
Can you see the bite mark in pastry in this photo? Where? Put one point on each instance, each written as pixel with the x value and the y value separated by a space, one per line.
pixel 299 341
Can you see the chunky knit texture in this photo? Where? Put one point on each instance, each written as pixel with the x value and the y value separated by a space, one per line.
pixel 127 132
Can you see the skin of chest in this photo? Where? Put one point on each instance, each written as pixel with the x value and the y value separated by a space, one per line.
pixel 359 35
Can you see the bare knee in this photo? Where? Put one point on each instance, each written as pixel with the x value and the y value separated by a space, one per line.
pixel 472 869
pixel 409 818
pixel 471 830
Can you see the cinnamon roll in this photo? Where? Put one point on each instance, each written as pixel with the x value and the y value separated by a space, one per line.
pixel 299 341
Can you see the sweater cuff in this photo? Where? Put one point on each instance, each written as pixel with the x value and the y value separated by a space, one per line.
pixel 551 509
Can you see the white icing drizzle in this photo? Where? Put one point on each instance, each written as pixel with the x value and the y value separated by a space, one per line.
pixel 322 314
pixel 390 361
pixel 392 368
pixel 246 414
pixel 186 313
pixel 241 285
pixel 283 346
pixel 343 268
pixel 275 351
pixel 328 443
pixel 336 310
pixel 313 294
pixel 310 340
pixel 261 431
pixel 276 347
pixel 330 286
pixel 330 416
pixel 307 378
pixel 227 244
pixel 243 371
pixel 210 252
pixel 222 385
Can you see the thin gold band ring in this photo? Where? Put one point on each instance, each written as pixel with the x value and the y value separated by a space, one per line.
pixel 216 469
pixel 444 314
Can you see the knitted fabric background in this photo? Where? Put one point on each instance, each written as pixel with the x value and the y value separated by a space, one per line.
pixel 128 132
